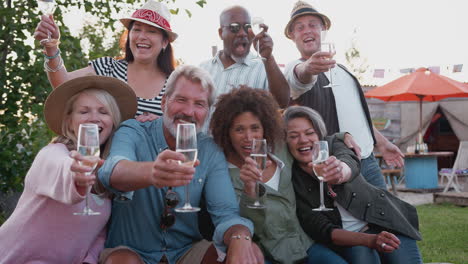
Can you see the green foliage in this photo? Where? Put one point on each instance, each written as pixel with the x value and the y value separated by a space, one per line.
pixel 444 232
pixel 23 83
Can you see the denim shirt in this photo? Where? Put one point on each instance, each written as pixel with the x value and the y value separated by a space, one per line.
pixel 135 219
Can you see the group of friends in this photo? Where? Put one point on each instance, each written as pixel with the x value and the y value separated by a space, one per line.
pixel 138 101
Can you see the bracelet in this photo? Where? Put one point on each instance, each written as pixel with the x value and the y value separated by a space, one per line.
pixel 239 237
pixel 49 43
pixel 48 69
pixel 52 57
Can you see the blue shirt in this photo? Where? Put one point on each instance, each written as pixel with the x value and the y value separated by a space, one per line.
pixel 135 219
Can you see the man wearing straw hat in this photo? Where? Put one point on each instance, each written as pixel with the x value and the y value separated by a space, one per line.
pixel 343 107
pixel 145 173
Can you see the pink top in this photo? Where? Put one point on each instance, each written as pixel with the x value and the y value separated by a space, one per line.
pixel 43 229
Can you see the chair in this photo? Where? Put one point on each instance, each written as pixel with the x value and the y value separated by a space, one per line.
pixel 461 163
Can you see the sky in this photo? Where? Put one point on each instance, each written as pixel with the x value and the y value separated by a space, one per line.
pixel 390 35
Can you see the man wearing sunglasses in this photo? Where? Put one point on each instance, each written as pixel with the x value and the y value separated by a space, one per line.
pixel 234 65
pixel 148 179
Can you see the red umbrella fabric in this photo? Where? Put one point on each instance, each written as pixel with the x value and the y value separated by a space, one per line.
pixel 421 85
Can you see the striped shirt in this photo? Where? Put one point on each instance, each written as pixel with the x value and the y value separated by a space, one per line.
pixel 251 73
pixel 107 66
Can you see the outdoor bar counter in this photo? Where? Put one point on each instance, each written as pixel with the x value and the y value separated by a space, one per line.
pixel 421 169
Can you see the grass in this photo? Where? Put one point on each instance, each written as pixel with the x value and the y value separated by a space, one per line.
pixel 445 233
pixel 444 229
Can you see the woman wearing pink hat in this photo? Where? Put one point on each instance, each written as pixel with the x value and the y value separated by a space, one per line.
pixel 147 63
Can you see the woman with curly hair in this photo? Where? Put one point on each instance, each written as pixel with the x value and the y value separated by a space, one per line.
pixel 242 115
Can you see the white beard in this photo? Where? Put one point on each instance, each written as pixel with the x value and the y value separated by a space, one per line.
pixel 238 59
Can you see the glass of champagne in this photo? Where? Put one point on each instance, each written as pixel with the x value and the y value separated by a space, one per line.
pixel 47 8
pixel 259 154
pixel 256 22
pixel 186 143
pixel 320 155
pixel 327 46
pixel 88 146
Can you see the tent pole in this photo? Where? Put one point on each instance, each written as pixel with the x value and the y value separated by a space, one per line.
pixel 420 139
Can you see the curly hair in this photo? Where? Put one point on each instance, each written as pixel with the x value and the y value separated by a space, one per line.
pixel 245 99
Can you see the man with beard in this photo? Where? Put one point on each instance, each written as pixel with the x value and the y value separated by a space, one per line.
pixel 144 172
pixel 234 66
pixel 343 107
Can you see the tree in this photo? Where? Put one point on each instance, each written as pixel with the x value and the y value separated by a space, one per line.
pixel 23 83
pixel 357 65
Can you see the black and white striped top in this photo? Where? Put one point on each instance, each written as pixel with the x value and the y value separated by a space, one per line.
pixel 107 66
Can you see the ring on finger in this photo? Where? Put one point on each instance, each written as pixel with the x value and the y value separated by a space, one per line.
pixel 383 245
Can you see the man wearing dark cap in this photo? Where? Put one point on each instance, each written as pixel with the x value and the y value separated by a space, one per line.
pixel 343 107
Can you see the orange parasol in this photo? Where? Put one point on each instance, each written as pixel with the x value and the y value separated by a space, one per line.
pixel 421 85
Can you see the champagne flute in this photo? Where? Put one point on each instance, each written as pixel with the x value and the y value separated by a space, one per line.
pixel 186 143
pixel 259 154
pixel 320 155
pixel 327 46
pixel 88 146
pixel 47 8
pixel 256 22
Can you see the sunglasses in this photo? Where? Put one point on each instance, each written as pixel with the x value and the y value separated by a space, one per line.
pixel 236 27
pixel 171 200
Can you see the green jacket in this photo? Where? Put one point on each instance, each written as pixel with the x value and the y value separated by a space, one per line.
pixel 277 229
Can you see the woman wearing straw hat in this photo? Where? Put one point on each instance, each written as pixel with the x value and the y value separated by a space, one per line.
pixel 147 63
pixel 43 227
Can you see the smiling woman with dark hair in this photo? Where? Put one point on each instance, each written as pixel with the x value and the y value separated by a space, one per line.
pixel 242 115
pixel 147 63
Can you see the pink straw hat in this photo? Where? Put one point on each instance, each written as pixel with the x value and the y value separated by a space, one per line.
pixel 154 14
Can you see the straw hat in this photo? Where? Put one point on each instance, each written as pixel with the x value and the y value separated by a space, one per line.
pixel 302 8
pixel 54 108
pixel 154 14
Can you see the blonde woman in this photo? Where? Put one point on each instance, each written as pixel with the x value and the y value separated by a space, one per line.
pixel 43 228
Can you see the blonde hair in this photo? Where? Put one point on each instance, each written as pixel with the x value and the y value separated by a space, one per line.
pixel 68 137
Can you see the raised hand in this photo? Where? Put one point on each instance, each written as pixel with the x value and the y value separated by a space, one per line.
pixel 167 171
pixel 317 63
pixel 46 25
pixel 250 174
pixel 333 170
pixel 265 42
pixel 80 178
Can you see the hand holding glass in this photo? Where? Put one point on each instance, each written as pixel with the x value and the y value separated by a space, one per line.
pixel 327 46
pixel 320 155
pixel 88 146
pixel 256 28
pixel 186 143
pixel 47 8
pixel 259 154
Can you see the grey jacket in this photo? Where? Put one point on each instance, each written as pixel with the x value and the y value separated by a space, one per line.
pixel 364 201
